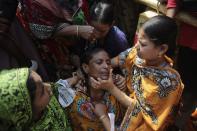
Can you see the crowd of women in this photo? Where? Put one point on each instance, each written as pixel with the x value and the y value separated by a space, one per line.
pixel 66 66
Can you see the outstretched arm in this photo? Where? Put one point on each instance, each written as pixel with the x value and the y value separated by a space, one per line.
pixel 119 60
pixel 84 31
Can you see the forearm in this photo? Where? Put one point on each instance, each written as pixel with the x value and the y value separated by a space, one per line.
pixel 106 122
pixel 71 81
pixel 171 12
pixel 119 61
pixel 84 31
pixel 121 97
pixel 68 30
pixel 115 61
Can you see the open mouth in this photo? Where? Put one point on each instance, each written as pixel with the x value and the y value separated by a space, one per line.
pixel 104 76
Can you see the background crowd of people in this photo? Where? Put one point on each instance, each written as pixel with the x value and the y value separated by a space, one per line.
pixel 66 64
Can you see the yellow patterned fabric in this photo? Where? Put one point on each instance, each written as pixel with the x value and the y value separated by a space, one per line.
pixel 156 91
pixel 82 116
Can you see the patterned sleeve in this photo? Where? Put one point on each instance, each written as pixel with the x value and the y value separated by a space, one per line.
pixel 123 56
pixel 66 94
pixel 120 59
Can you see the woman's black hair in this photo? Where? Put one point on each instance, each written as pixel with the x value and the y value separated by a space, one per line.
pixel 89 53
pixel 162 30
pixel 102 12
pixel 31 86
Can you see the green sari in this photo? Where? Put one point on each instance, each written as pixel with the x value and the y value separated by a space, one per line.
pixel 16 110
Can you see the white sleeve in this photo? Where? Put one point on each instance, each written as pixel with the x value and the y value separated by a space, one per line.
pixel 66 93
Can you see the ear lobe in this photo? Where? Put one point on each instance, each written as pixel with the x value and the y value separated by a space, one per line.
pixel 163 49
pixel 85 68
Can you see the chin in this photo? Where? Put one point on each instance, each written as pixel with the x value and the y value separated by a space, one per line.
pixel 104 77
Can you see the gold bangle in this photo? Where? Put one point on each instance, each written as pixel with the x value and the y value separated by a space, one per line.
pixel 102 117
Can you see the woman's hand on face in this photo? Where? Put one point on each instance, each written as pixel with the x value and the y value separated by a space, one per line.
pixel 103 84
pixel 86 32
pixel 120 82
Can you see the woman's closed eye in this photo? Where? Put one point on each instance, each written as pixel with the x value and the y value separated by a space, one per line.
pixel 99 62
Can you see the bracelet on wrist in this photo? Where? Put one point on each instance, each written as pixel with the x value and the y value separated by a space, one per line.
pixel 102 117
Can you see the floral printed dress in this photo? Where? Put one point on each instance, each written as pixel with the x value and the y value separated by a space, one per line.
pixel 82 115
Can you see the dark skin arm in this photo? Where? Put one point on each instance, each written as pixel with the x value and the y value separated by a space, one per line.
pixel 171 12
pixel 101 111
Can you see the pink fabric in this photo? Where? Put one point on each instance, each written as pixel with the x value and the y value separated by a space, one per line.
pixel 171 4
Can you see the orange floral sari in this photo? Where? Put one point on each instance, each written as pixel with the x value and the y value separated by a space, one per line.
pixel 155 90
pixel 82 116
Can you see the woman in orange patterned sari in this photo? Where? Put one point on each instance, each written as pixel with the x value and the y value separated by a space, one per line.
pixel 154 85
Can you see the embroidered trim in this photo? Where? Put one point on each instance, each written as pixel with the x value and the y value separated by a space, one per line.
pixel 42 31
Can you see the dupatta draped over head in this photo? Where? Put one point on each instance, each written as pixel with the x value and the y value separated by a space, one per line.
pixel 15 104
pixel 16 110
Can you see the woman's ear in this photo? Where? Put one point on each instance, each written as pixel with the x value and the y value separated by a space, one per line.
pixel 163 49
pixel 85 68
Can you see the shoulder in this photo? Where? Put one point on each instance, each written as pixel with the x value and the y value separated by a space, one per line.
pixel 168 80
pixel 118 37
pixel 117 32
pixel 173 74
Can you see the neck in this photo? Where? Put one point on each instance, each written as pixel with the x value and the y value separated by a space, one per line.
pixel 95 94
pixel 156 62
